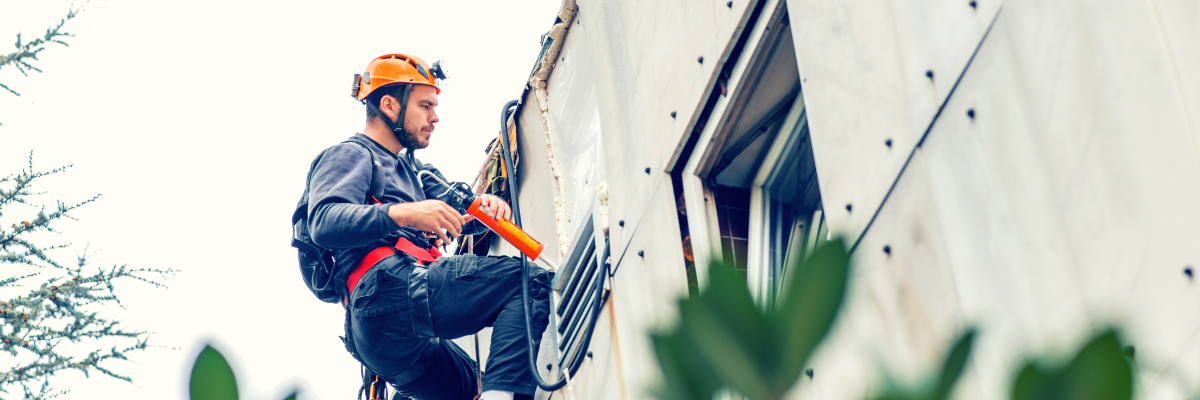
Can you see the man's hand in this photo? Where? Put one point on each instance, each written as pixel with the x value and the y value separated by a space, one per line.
pixel 429 216
pixel 496 208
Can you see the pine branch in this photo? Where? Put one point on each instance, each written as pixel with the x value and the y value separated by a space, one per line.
pixel 14 249
pixel 28 51
pixel 65 307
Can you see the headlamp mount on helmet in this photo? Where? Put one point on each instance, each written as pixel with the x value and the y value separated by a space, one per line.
pixel 439 70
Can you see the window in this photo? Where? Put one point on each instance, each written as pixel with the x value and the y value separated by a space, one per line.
pixel 785 208
pixel 748 190
pixel 733 213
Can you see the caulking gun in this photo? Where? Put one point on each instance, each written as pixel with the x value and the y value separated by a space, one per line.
pixel 463 200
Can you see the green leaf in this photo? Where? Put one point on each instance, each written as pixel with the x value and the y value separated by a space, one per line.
pixel 811 297
pixel 953 366
pixel 1029 383
pixel 729 332
pixel 728 298
pixel 686 375
pixel 212 378
pixel 724 340
pixel 1098 372
pixel 291 396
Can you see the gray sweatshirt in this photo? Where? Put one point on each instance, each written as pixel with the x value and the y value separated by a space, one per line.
pixel 342 218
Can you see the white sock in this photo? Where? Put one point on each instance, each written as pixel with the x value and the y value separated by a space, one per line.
pixel 496 395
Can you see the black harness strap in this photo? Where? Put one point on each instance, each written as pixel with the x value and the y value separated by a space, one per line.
pixel 403 110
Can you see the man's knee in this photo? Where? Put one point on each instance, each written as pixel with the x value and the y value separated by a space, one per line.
pixel 513 266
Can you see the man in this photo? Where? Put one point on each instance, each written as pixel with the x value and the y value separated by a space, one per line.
pixel 403 307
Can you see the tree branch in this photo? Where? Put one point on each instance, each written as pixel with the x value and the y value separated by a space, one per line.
pixel 64 307
pixel 28 51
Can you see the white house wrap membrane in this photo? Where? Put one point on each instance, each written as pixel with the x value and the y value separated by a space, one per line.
pixel 538 83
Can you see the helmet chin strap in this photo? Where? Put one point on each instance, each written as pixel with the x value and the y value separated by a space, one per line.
pixel 396 130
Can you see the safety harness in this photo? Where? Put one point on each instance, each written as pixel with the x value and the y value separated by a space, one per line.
pixel 373 386
pixel 375 256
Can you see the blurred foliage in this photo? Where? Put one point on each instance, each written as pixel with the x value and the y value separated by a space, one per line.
pixel 724 341
pixel 212 378
pixel 1098 372
pixel 951 370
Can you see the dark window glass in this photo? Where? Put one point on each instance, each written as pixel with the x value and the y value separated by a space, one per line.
pixel 733 213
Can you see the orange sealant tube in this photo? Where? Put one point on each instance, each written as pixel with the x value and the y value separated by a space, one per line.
pixel 507 230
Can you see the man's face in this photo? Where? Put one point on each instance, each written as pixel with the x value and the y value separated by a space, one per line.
pixel 419 117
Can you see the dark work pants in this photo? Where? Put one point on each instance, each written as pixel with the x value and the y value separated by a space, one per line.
pixel 403 317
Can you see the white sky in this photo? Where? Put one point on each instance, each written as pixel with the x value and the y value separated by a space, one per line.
pixel 196 122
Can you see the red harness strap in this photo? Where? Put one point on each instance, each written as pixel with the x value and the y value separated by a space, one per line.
pixel 375 256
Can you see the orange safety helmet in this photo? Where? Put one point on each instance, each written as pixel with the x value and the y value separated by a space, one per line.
pixel 390 69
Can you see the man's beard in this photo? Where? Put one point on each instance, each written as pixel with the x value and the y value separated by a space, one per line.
pixel 407 139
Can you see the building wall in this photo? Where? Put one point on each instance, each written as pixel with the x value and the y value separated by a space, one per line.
pixel 624 68
pixel 648 66
pixel 1065 205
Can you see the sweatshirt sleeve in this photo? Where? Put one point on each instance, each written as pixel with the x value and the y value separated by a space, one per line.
pixel 338 215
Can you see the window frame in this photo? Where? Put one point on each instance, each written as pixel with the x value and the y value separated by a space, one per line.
pixel 764 274
pixel 702 215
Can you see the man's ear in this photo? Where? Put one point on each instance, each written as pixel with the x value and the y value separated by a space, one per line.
pixel 389 106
